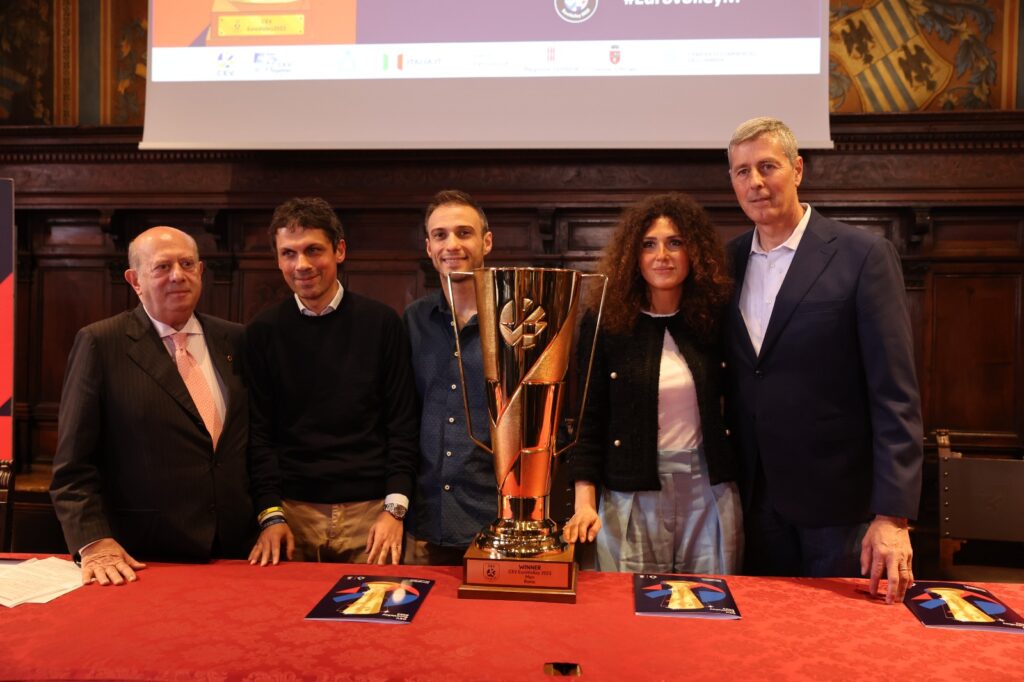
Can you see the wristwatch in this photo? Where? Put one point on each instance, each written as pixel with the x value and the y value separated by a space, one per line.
pixel 396 510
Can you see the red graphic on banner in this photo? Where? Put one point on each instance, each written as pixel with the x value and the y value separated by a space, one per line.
pixel 6 367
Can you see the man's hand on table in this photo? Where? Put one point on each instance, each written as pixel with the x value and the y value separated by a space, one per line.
pixel 385 537
pixel 886 547
pixel 106 563
pixel 268 545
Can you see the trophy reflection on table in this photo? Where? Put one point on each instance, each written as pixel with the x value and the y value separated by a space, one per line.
pixel 527 319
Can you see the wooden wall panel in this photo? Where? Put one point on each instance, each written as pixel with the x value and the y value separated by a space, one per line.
pixel 57 287
pixel 260 285
pixel 381 231
pixel 973 380
pixel 586 232
pixel 517 233
pixel 978 235
pixel 395 283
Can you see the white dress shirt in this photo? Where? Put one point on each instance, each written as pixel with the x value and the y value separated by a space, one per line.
pixel 329 308
pixel 766 271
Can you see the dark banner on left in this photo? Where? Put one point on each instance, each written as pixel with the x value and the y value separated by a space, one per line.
pixel 6 319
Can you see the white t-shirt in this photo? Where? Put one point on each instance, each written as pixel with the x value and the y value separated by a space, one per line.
pixel 678 414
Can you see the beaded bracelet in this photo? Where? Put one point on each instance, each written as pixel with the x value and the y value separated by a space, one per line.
pixel 272 521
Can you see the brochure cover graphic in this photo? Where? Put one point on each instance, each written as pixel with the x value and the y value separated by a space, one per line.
pixel 961 607
pixel 666 594
pixel 374 598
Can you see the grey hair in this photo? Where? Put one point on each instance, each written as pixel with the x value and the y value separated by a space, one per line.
pixel 765 125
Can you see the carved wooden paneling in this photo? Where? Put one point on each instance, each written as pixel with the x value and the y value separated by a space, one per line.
pixel 382 231
pixel 35 528
pixel 730 222
pixel 586 232
pixel 516 232
pixel 888 224
pixel 394 283
pixel 260 285
pixel 973 378
pixel 85 289
pixel 249 229
pixel 977 234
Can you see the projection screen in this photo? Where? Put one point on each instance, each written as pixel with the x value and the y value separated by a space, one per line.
pixel 481 74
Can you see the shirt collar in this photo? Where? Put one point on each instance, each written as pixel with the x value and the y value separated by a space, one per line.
pixel 165 330
pixel 441 306
pixel 329 308
pixel 794 238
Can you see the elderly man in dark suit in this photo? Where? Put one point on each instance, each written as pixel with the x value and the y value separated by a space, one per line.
pixel 824 399
pixel 153 425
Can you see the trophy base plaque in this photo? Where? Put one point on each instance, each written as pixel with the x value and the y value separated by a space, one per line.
pixel 547 577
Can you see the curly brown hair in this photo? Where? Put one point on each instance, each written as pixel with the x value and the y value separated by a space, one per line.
pixel 707 287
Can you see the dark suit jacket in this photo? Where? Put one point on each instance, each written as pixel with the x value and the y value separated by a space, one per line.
pixel 830 407
pixel 134 460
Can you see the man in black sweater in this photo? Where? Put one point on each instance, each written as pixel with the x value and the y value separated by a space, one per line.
pixel 334 423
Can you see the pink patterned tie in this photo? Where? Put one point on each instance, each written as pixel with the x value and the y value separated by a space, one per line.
pixel 197 386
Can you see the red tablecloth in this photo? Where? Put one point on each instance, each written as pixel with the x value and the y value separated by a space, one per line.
pixel 229 620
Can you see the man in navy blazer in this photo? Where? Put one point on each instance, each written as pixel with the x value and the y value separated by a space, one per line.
pixel 137 473
pixel 823 395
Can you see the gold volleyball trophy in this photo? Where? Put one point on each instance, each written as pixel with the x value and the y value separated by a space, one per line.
pixel 527 319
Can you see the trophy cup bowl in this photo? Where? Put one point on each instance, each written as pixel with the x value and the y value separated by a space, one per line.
pixel 527 319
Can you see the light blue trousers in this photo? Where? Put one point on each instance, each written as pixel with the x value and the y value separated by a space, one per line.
pixel 689 526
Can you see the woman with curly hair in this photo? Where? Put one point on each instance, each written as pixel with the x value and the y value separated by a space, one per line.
pixel 653 438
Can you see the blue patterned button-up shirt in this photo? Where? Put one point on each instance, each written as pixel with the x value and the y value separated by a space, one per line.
pixel 456 492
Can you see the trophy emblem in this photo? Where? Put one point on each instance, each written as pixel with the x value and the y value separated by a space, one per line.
pixel 527 319
pixel 514 334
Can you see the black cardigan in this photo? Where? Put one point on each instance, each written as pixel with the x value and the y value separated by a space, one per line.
pixel 618 445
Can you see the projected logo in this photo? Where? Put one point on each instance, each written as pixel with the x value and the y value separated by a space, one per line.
pixel 225 64
pixel 269 62
pixel 576 11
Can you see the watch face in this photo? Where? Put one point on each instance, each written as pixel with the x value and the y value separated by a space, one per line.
pixel 395 510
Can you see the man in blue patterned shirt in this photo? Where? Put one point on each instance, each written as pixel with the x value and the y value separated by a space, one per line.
pixel 456 492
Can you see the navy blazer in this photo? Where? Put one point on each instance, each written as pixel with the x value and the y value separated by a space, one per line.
pixel 134 460
pixel 830 406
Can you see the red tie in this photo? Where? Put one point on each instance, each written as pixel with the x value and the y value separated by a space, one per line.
pixel 197 386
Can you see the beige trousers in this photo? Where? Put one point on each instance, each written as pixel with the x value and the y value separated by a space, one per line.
pixel 331 532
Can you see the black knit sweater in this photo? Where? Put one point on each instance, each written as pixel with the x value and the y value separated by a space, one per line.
pixel 618 446
pixel 332 402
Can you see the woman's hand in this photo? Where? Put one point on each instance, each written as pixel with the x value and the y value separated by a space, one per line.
pixel 585 523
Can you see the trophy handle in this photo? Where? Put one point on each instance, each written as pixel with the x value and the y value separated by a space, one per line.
pixel 590 364
pixel 462 370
